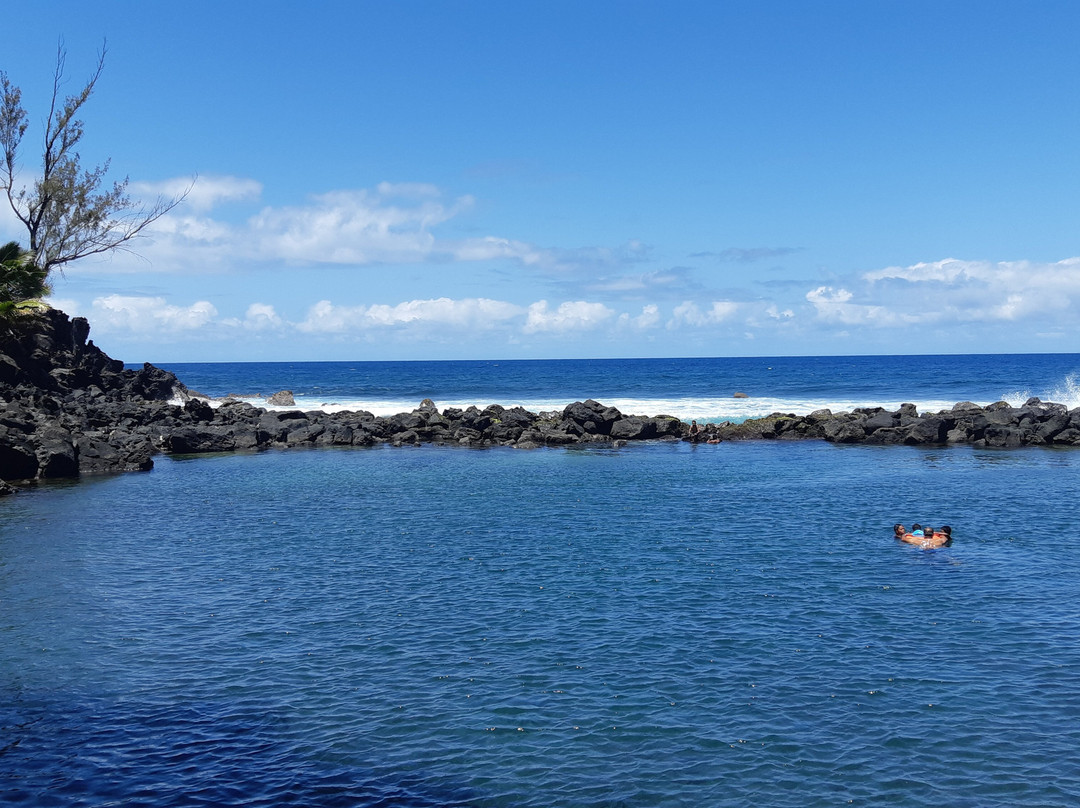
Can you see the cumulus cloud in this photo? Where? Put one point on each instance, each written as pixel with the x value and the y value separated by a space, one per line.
pixel 466 314
pixel 955 291
pixel 354 227
pixel 835 305
pixel 447 320
pixel 575 315
pixel 262 317
pixel 688 313
pixel 149 314
pixel 980 291
pixel 649 318
pixel 391 223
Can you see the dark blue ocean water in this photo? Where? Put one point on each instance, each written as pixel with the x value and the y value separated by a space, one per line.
pixel 687 388
pixel 656 625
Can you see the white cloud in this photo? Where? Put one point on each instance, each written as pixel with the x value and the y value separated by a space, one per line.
pixel 775 313
pixel 834 305
pixel 262 317
pixel 575 315
pixel 392 223
pixel 202 193
pixel 148 314
pixel 649 318
pixel 470 313
pixel 688 313
pixel 408 190
pixel 491 247
pixel 950 270
pixel 980 291
pixel 350 227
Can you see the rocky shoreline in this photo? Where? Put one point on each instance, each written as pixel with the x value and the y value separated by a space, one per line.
pixel 67 409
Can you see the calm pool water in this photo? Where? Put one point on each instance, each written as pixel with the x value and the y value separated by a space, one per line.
pixel 658 625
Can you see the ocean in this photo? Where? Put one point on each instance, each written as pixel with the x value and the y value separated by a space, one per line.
pixel 701 389
pixel 653 625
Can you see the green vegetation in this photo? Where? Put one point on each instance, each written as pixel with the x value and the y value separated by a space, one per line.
pixel 22 284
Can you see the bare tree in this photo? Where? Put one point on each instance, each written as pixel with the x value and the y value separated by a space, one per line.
pixel 68 213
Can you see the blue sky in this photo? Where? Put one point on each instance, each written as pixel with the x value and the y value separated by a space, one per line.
pixel 469 180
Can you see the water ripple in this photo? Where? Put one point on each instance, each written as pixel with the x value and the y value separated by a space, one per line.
pixel 633 628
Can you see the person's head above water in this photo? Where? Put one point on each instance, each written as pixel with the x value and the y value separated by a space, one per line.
pixel 947 531
pixel 899 529
pixel 916 529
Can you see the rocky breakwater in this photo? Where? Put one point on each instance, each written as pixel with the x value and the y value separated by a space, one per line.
pixel 235 426
pixel 1036 423
pixel 66 408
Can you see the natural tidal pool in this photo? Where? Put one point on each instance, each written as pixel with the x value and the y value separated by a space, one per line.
pixel 657 625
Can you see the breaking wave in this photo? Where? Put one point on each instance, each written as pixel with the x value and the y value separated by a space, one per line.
pixel 1067 392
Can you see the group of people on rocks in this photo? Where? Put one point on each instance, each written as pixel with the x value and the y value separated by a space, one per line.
pixel 925 537
pixel 708 435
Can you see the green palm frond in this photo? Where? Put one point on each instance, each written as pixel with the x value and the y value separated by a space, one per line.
pixel 20 280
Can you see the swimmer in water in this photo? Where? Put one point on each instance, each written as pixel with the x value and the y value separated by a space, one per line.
pixel 937 538
pixel 927 538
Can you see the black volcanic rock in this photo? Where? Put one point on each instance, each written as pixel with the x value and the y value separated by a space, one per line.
pixel 998 425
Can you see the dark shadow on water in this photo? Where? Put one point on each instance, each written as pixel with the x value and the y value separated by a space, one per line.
pixel 113 752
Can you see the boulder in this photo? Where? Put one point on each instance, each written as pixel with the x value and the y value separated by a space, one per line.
pixel 282 398
pixel 888 435
pixel 409 437
pixel 198 440
pixel 154 384
pixel 99 454
pixel 959 434
pixel 18 460
pixel 199 410
pixel 592 416
pixel 1068 437
pixel 880 420
pixel 56 453
pixel 666 426
pixel 929 429
pixel 1053 426
pixel 1005 436
pixel 843 431
pixel 633 428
